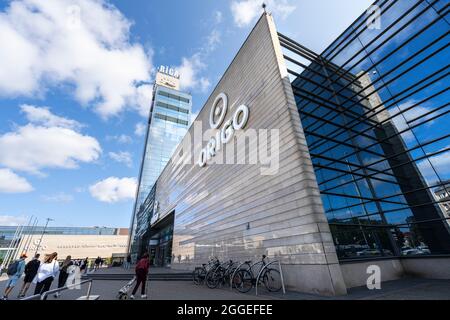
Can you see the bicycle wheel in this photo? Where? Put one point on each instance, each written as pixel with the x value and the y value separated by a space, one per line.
pixel 212 281
pixel 228 274
pixel 199 275
pixel 243 280
pixel 272 280
pixel 219 277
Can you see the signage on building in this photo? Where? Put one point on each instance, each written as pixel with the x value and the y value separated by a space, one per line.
pixel 169 71
pixel 217 115
pixel 155 215
pixel 168 77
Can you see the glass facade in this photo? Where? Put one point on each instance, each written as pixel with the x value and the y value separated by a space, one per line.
pixel 169 121
pixel 160 245
pixel 374 107
pixel 139 235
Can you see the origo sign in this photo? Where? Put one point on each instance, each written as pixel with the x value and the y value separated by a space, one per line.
pixel 225 134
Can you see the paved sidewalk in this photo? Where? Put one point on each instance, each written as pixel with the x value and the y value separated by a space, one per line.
pixel 404 289
pixel 121 270
pixel 158 290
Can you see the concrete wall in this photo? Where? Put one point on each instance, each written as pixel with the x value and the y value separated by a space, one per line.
pixel 431 268
pixel 233 210
pixel 355 274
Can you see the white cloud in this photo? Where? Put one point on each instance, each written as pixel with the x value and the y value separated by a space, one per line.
pixel 13 220
pixel 416 112
pixel 80 189
pixel 140 129
pixel 58 197
pixel 440 162
pixel 190 70
pixel 31 148
pixel 121 157
pixel 83 43
pixel 213 39
pixel 143 99
pixel 204 84
pixel 114 189
pixel 12 183
pixel 246 11
pixel 43 116
pixel 122 139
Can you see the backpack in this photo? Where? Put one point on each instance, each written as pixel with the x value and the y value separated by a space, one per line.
pixel 12 268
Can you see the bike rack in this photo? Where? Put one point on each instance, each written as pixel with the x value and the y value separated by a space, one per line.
pixel 45 294
pixel 255 264
pixel 250 267
pixel 233 263
pixel 234 272
pixel 213 268
pixel 265 267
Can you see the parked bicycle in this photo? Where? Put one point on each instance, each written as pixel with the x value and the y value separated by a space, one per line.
pixel 199 274
pixel 245 278
pixel 220 275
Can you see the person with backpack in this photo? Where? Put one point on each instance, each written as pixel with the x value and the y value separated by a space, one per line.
pixel 31 269
pixel 46 273
pixel 14 272
pixel 141 275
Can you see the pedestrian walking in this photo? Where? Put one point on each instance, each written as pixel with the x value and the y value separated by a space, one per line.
pixel 31 269
pixel 128 262
pixel 63 273
pixel 141 276
pixel 84 265
pixel 14 272
pixel 47 272
pixel 74 276
pixel 97 263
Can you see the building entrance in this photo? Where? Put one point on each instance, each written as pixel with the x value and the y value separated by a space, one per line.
pixel 160 244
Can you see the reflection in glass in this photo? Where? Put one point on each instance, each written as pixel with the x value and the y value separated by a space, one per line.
pixel 374 108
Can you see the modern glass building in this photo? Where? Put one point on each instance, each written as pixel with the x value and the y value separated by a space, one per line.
pixel 362 160
pixel 374 107
pixel 168 122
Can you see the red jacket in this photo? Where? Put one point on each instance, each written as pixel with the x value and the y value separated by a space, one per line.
pixel 143 264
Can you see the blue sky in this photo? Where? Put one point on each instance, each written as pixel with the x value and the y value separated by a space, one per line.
pixel 75 85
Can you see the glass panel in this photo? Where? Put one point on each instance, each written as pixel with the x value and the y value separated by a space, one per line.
pixel 375 111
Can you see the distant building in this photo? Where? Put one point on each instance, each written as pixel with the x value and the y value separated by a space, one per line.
pixel 79 242
pixel 442 195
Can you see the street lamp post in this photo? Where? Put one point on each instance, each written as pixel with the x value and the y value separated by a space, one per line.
pixel 42 235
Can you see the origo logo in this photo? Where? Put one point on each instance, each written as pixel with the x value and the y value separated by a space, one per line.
pixel 225 133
